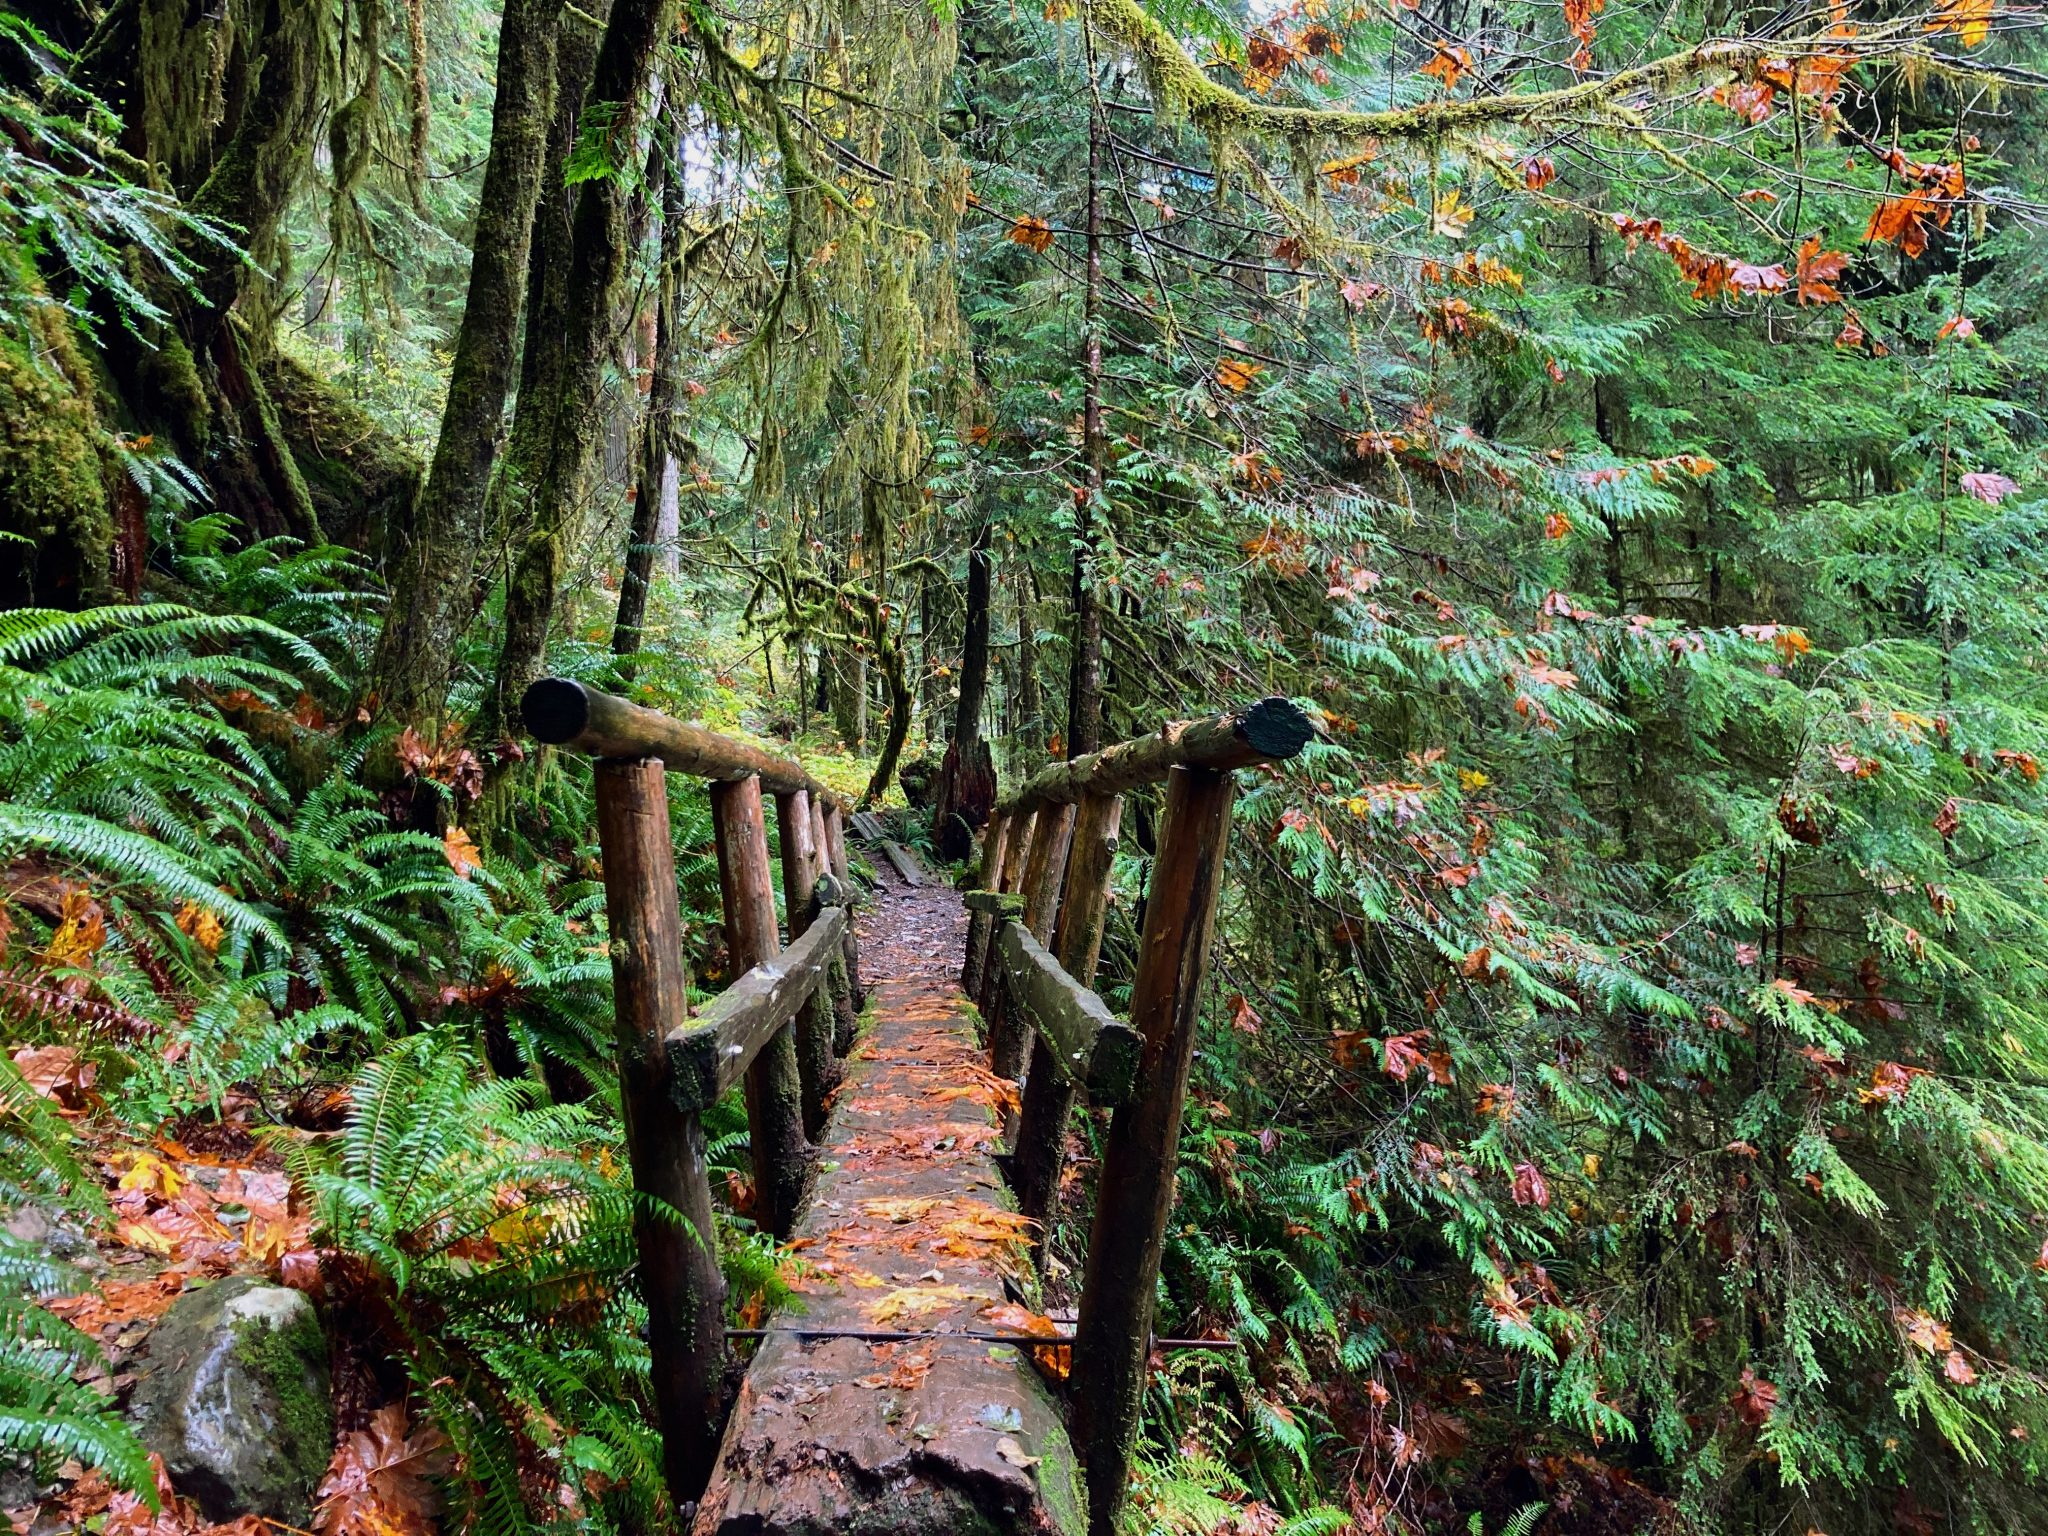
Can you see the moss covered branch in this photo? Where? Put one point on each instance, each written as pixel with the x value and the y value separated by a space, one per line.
pixel 1181 86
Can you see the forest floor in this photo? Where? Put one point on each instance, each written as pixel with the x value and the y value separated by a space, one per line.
pixel 195 1203
pixel 908 1230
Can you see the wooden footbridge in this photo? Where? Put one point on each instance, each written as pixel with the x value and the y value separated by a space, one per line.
pixel 910 1390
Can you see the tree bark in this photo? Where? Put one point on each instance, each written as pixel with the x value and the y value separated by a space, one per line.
pixel 541 360
pixel 657 481
pixel 598 255
pixel 435 561
pixel 1084 680
pixel 967 776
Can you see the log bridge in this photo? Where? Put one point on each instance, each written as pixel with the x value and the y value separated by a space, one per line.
pixel 894 1400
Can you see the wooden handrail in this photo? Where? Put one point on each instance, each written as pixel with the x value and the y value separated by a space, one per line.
pixel 1045 870
pixel 994 903
pixel 1271 730
pixel 672 1070
pixel 711 1055
pixel 1090 1046
pixel 578 718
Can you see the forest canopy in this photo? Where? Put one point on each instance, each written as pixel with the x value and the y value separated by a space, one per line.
pixel 1620 1100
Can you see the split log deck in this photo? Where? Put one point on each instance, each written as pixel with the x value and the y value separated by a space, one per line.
pixel 908 1229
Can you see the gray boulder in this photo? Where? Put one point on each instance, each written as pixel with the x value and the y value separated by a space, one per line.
pixel 234 1396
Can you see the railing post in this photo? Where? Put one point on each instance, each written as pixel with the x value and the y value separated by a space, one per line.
pixel 1135 1192
pixel 1008 1034
pixel 835 849
pixel 815 1062
pixel 1016 843
pixel 679 1273
pixel 980 926
pixel 839 985
pixel 1049 1093
pixel 775 1122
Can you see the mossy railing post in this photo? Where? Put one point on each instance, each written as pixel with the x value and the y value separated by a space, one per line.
pixel 1134 1194
pixel 1044 868
pixel 815 1060
pixel 775 1124
pixel 1049 1094
pixel 840 983
pixel 679 1274
pixel 980 927
pixel 1016 844
pixel 835 860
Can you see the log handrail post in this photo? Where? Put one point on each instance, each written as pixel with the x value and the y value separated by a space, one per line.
pixel 835 860
pixel 679 1274
pixel 839 983
pixel 775 1126
pixel 1044 868
pixel 1049 1094
pixel 1015 845
pixel 816 1062
pixel 980 927
pixel 1134 1195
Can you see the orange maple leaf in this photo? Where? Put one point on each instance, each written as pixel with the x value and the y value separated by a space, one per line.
pixel 1031 232
pixel 462 854
pixel 1818 270
pixel 380 1480
pixel 1971 19
pixel 1236 374
pixel 1449 66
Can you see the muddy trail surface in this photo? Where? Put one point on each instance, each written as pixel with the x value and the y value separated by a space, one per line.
pixel 909 1230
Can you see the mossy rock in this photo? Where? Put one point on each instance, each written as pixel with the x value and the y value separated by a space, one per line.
pixel 235 1397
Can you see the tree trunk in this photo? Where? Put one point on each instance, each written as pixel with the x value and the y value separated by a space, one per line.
pixel 902 705
pixel 656 490
pixel 436 562
pixel 967 777
pixel 235 155
pixel 1027 740
pixel 1084 681
pixel 547 281
pixel 599 252
pixel 847 671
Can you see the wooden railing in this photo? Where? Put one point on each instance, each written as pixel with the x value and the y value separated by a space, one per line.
pixel 779 1028
pixel 1045 870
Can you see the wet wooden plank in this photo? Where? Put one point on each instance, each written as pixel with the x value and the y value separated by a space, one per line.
pixel 909 1227
pixel 714 1052
pixel 1086 1043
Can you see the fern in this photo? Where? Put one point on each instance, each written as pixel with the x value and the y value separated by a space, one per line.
pixel 500 1234
pixel 45 1415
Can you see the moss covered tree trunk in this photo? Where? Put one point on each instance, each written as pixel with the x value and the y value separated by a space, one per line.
pixel 547 285
pixel 967 776
pixel 224 104
pixel 599 252
pixel 659 436
pixel 435 559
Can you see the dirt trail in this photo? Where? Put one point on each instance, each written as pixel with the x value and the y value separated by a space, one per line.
pixel 909 1228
